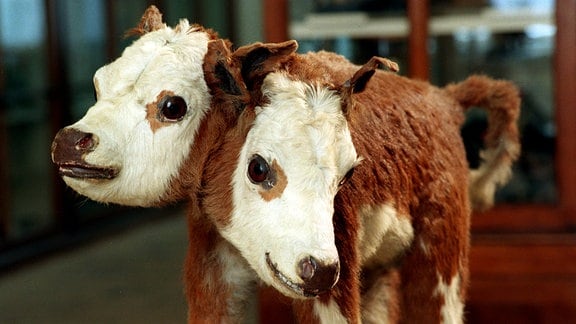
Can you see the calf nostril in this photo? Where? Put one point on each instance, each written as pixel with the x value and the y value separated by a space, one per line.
pixel 85 143
pixel 318 276
pixel 307 268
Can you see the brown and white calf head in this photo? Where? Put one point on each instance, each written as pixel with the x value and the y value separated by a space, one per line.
pixel 296 153
pixel 131 143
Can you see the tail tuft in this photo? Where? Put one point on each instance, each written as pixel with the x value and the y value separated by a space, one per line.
pixel 501 100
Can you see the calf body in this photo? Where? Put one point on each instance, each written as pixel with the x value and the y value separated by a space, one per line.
pixel 265 141
pixel 406 209
pixel 401 223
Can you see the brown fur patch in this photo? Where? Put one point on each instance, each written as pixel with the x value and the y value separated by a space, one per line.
pixel 218 173
pixel 153 112
pixel 304 311
pixel 409 135
pixel 204 179
pixel 206 292
pixel 280 183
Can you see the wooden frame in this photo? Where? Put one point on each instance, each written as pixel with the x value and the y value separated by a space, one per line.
pixel 565 97
pixel 419 61
pixel 529 273
pixel 562 216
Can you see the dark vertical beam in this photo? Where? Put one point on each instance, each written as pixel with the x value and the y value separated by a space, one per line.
pixel 418 56
pixel 194 17
pixel 565 99
pixel 58 104
pixel 275 20
pixel 4 179
pixel 231 17
pixel 110 29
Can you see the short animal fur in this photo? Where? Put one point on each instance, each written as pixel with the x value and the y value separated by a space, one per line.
pixel 401 222
pixel 395 245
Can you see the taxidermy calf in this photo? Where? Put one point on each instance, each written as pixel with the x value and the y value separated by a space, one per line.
pixel 149 136
pixel 260 142
pixel 397 237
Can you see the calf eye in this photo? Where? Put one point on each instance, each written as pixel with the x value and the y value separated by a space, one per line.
pixel 258 169
pixel 172 108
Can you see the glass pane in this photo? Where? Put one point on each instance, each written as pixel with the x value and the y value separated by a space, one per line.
pixel 515 41
pixel 357 29
pixel 85 26
pixel 85 52
pixel 28 130
pixel 126 15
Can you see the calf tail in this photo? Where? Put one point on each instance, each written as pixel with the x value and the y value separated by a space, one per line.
pixel 501 100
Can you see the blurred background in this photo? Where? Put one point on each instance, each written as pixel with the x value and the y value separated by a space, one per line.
pixel 64 258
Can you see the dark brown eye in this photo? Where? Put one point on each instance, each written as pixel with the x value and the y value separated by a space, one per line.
pixel 172 108
pixel 258 169
pixel 346 177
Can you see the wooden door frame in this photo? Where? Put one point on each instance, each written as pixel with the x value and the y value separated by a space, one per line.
pixel 565 102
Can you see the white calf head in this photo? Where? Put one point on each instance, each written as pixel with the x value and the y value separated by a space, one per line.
pixel 296 153
pixel 150 101
pixel 295 157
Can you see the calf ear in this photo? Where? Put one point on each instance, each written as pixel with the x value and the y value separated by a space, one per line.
pixel 151 20
pixel 360 79
pixel 259 59
pixel 223 77
pixel 219 73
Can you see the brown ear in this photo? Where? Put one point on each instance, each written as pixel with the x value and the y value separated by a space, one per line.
pixel 259 59
pixel 231 76
pixel 220 75
pixel 151 20
pixel 223 77
pixel 360 79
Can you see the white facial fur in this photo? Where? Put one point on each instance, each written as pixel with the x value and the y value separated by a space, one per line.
pixel 304 132
pixel 146 157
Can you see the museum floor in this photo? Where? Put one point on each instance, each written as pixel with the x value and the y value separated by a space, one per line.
pixel 130 277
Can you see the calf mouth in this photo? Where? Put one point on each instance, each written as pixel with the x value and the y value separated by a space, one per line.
pixel 86 171
pixel 297 288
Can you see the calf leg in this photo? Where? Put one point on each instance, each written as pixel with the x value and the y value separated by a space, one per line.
pixel 434 272
pixel 380 296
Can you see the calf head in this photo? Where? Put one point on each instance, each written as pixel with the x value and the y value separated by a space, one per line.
pixel 131 143
pixel 270 189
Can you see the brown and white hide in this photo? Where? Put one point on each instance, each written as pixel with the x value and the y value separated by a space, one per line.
pixel 401 222
pixel 146 141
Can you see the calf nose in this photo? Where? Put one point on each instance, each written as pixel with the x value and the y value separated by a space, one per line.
pixel 318 276
pixel 71 144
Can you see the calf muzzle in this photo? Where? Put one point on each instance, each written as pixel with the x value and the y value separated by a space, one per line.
pixel 69 149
